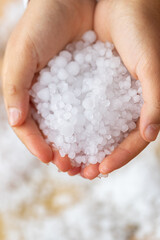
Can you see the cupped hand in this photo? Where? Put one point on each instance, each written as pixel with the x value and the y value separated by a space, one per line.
pixel 134 28
pixel 45 28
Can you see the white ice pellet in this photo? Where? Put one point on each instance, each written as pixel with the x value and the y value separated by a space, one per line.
pixel 61 61
pixel 67 55
pixel 124 128
pixel 67 115
pixel 67 129
pixel 86 101
pixel 45 78
pixel 89 37
pixel 79 58
pixel 73 68
pixel 79 45
pixel 68 107
pixel 62 74
pixel 68 97
pixel 93 159
pixel 43 94
pixel 109 53
pixel 71 155
pixel 132 125
pixel 136 98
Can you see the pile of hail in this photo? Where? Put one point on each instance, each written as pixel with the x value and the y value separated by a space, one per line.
pixel 86 101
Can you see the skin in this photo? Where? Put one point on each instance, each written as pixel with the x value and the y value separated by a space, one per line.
pixel 44 30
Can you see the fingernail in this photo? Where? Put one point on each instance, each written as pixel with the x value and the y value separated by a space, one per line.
pixel 14 116
pixel 151 132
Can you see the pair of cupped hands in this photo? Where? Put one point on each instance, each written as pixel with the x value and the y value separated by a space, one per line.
pixel 44 30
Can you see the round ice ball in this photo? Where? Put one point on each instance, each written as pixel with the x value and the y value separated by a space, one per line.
pixel 86 101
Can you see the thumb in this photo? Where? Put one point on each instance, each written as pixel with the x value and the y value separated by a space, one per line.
pixel 148 71
pixel 18 72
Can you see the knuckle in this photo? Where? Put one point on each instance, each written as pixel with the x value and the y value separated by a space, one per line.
pixel 157 105
pixel 10 89
pixel 125 150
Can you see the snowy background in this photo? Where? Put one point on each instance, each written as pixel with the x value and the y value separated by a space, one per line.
pixel 38 202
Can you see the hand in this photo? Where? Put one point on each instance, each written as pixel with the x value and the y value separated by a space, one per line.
pixel 134 28
pixel 44 30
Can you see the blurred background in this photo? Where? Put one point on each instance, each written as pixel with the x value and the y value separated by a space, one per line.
pixel 38 202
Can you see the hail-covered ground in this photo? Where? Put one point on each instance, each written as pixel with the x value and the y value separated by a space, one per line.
pixel 86 101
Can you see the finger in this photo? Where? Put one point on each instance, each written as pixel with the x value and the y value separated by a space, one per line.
pixel 19 68
pixel 125 152
pixel 33 140
pixel 82 172
pixel 74 171
pixel 63 163
pixel 91 171
pixel 148 72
